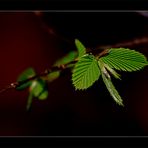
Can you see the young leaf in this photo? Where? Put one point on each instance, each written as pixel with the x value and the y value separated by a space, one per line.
pixel 109 85
pixel 25 75
pixel 112 71
pixel 125 59
pixel 53 76
pixel 43 95
pixel 113 92
pixel 86 72
pixel 38 89
pixel 80 47
pixel 67 59
pixel 29 102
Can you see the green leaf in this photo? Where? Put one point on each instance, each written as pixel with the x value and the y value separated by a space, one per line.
pixel 53 76
pixel 67 58
pixel 25 75
pixel 38 89
pixel 80 47
pixel 86 72
pixel 43 95
pixel 112 71
pixel 125 59
pixel 109 85
pixel 112 90
pixel 29 102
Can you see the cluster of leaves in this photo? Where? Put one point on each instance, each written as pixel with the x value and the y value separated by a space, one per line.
pixel 87 70
pixel 37 88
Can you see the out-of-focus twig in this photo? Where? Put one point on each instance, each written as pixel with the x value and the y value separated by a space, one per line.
pixel 50 29
pixel 134 42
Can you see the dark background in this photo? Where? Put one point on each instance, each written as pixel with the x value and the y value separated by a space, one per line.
pixel 37 40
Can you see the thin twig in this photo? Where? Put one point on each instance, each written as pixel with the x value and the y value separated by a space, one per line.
pixel 134 42
pixel 50 30
pixel 15 85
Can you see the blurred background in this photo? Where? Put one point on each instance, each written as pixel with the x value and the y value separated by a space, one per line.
pixel 38 39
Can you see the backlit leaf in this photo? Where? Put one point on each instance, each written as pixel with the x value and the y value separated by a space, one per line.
pixel 38 89
pixel 112 71
pixel 25 75
pixel 53 76
pixel 67 58
pixel 86 72
pixel 43 95
pixel 80 47
pixel 125 59
pixel 109 85
pixel 29 101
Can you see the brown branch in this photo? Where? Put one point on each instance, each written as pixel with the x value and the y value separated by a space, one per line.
pixel 15 85
pixel 134 42
pixel 12 85
pixel 103 53
pixel 50 30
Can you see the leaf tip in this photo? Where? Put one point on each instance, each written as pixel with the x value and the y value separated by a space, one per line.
pixel 121 104
pixel 76 40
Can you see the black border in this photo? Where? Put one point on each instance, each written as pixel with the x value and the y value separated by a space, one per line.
pixel 73 5
pixel 74 142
